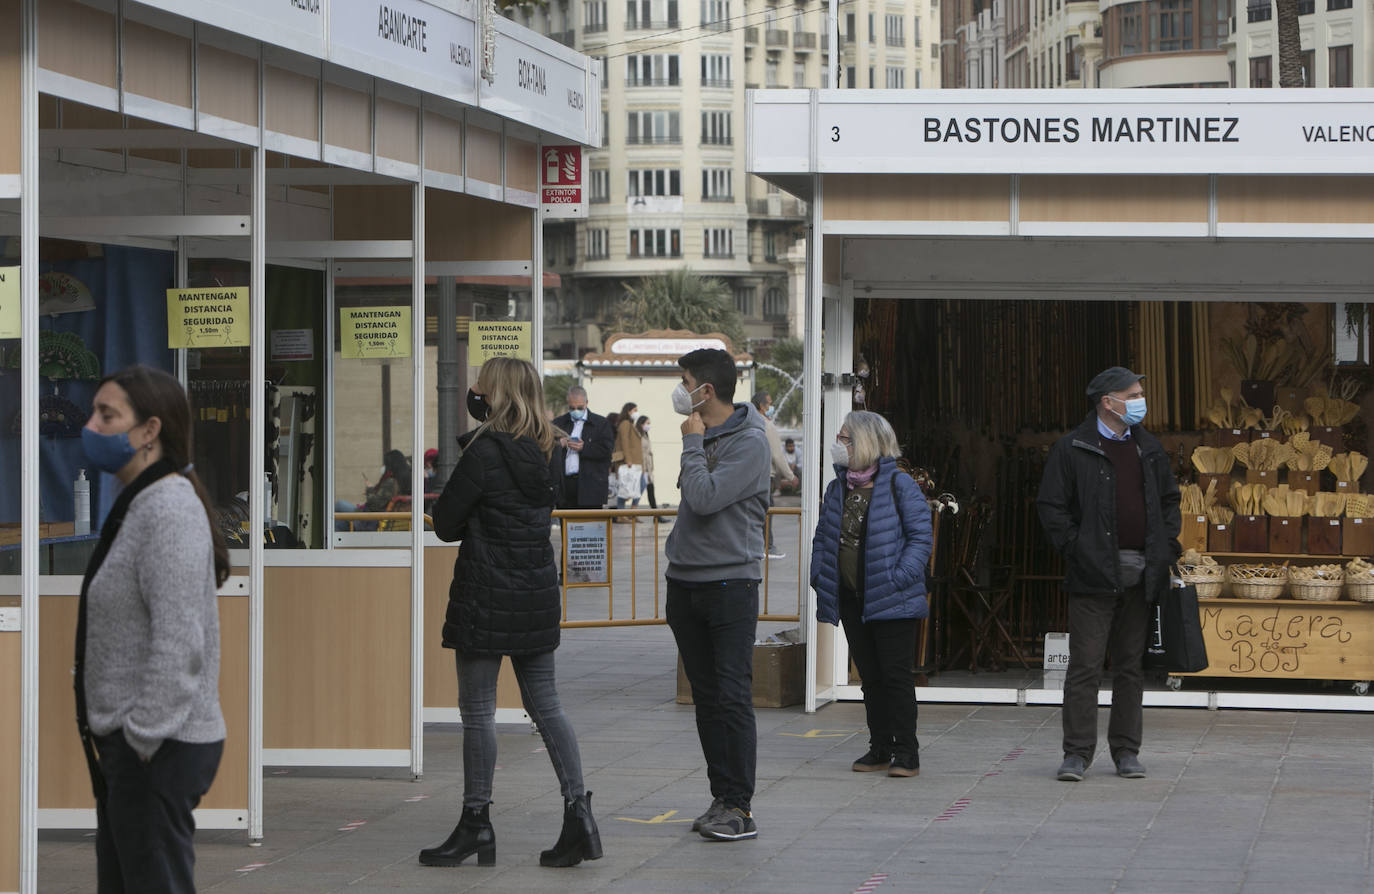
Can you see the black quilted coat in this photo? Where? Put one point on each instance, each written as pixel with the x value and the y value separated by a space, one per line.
pixel 504 596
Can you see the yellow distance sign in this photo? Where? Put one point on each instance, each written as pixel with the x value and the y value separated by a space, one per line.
pixel 497 338
pixel 374 332
pixel 10 322
pixel 207 318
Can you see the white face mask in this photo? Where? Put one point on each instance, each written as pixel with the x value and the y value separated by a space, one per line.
pixel 682 399
pixel 645 429
pixel 634 415
pixel 839 454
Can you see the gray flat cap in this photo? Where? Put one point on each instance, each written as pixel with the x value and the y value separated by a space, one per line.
pixel 1115 378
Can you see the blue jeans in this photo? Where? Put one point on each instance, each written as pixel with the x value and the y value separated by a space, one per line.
pixel 477 703
pixel 714 626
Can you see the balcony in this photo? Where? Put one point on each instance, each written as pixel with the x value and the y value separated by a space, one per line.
pixel 634 256
pixel 803 41
pixel 723 199
pixel 777 206
pixel 777 39
pixel 653 82
pixel 639 140
pixel 594 28
pixel 715 26
pixel 751 36
pixel 725 83
pixel 717 141
pixel 896 40
pixel 566 38
pixel 724 255
pixel 646 25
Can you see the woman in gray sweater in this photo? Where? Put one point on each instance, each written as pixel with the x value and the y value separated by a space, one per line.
pixel 147 647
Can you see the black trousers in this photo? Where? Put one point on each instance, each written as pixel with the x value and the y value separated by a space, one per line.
pixel 144 826
pixel 1102 624
pixel 714 626
pixel 885 654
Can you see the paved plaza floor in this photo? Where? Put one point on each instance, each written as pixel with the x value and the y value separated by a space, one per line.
pixel 1235 802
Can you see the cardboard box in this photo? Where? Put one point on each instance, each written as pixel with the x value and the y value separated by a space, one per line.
pixel 1323 536
pixel 1250 533
pixel 1357 536
pixel 779 673
pixel 1285 534
pixel 1219 539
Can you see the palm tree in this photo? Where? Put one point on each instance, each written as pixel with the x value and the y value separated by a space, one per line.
pixel 1290 43
pixel 681 299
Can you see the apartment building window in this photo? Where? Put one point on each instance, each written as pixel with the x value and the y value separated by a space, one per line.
pixel 718 242
pixel 1309 68
pixel 770 74
pixel 770 246
pixel 871 82
pixel 849 27
pixel 716 13
pixel 715 70
pixel 1338 67
pixel 594 16
pixel 598 244
pixel 717 185
pixel 1338 4
pixel 916 32
pixel 894 30
pixel 652 70
pixel 917 79
pixel 896 78
pixel 798 74
pixel 744 300
pixel 650 14
pixel 715 129
pixel 872 32
pixel 599 186
pixel 1071 59
pixel 653 127
pixel 655 182
pixel 774 304
pixel 849 77
pixel 655 243
pixel 1261 71
pixel 601 67
pixel 1259 10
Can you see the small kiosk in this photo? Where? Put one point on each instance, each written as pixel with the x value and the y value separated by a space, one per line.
pixel 308 212
pixel 1011 241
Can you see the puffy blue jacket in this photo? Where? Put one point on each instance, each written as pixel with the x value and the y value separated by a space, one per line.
pixel 896 549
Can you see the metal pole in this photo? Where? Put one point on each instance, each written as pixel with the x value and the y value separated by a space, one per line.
pixel 257 438
pixel 28 447
pixel 446 384
pixel 417 478
pixel 832 28
pixel 811 416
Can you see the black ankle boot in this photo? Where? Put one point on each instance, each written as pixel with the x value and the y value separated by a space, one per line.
pixel 472 835
pixel 580 839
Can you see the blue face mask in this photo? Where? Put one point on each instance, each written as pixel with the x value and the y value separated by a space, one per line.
pixel 578 415
pixel 109 453
pixel 1135 411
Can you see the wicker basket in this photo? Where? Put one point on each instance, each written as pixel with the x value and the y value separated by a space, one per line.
pixel 1316 589
pixel 1360 587
pixel 1208 579
pixel 1256 582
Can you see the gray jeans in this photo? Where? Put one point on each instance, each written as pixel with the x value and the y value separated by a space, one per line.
pixel 477 703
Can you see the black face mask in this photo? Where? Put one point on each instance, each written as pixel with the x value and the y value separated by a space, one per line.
pixel 478 408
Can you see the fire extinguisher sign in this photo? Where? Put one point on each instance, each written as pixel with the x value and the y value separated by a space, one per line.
pixel 562 189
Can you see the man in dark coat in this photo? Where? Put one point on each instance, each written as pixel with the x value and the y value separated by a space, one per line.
pixel 582 460
pixel 1109 503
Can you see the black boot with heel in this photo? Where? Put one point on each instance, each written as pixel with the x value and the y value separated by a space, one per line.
pixel 472 835
pixel 580 839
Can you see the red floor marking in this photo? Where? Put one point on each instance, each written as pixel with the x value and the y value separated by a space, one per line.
pixel 953 810
pixel 872 884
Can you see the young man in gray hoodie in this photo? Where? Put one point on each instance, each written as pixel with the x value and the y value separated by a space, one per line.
pixel 715 554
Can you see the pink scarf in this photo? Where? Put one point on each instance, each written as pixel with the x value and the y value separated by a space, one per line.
pixel 861 479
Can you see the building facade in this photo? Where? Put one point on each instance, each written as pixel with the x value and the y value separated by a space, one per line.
pixel 1337 37
pixel 668 188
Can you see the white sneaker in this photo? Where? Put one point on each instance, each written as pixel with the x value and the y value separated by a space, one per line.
pixel 777 555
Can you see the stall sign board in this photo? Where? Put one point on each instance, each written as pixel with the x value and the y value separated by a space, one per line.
pixel 294 24
pixel 9 303
pixel 1288 639
pixel 562 191
pixel 208 318
pixel 537 83
pixel 293 344
pixel 374 332
pixel 586 560
pixel 497 338
pixel 406 41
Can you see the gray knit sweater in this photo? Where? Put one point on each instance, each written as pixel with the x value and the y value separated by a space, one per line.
pixel 152 625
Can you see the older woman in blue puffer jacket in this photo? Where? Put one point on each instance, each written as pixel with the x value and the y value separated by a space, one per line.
pixel 868 568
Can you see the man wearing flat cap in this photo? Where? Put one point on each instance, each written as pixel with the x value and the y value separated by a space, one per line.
pixel 1109 503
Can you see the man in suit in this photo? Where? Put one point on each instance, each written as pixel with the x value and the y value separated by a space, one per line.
pixel 584 456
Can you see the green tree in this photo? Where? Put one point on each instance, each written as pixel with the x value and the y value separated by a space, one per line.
pixel 780 369
pixel 680 299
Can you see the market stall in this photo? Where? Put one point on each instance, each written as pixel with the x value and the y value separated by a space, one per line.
pixel 305 219
pixel 975 259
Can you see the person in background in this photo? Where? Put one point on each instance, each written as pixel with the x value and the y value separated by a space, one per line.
pixel 582 460
pixel 394 482
pixel 147 644
pixel 868 568
pixel 431 470
pixel 504 601
pixel 642 426
pixel 629 451
pixel 763 402
pixel 792 453
pixel 1108 502
pixel 715 552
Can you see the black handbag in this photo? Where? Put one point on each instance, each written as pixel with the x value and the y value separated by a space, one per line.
pixel 1175 643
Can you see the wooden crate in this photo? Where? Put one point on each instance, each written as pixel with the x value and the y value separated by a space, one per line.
pixel 1324 536
pixel 1285 534
pixel 1251 533
pixel 1194 533
pixel 1219 539
pixel 1357 536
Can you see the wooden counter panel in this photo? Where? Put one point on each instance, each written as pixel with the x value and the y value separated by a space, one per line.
pixel 372 212
pixel 443 144
pixel 11 669
pixel 1288 639
pixel 398 131
pixel 227 84
pixel 917 197
pixel 522 165
pixel 10 143
pixel 157 64
pixel 336 658
pixel 63 781
pixel 465 228
pixel 78 41
pixel 484 154
pixel 1317 200
pixel 347 118
pixel 1092 197
pixel 293 103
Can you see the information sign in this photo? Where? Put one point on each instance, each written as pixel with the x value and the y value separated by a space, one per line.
pixel 10 324
pixel 207 318
pixel 585 561
pixel 368 332
pixel 497 338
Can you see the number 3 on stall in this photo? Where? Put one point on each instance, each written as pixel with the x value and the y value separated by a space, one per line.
pixel 834 134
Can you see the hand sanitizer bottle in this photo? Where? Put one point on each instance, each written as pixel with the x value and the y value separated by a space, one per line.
pixel 81 491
